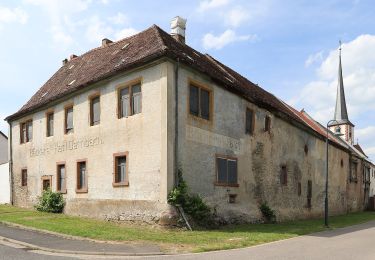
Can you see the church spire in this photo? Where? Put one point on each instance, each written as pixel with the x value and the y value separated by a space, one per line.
pixel 341 113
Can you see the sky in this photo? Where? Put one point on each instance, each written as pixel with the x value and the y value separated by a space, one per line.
pixel 289 48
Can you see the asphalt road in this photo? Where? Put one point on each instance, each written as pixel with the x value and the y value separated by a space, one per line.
pixel 351 243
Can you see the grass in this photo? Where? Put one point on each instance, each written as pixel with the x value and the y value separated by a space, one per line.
pixel 170 240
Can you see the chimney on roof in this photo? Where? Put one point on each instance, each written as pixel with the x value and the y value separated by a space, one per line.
pixel 64 62
pixel 178 26
pixel 73 56
pixel 106 42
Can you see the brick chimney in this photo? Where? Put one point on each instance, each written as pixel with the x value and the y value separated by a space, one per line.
pixel 106 42
pixel 178 26
pixel 64 62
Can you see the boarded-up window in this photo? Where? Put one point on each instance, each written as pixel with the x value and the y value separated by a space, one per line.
pixel 120 177
pixel 81 176
pixel 50 126
pixel 95 111
pixel 267 124
pixel 284 175
pixel 249 121
pixel 130 100
pixel 199 102
pixel 26 131
pixel 226 171
pixel 24 177
pixel 69 120
pixel 61 178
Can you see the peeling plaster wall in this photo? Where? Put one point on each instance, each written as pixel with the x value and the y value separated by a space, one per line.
pixel 144 136
pixel 260 158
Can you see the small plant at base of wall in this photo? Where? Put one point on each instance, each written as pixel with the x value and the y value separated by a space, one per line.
pixel 193 205
pixel 268 213
pixel 50 201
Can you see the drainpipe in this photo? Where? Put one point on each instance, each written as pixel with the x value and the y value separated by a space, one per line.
pixel 11 163
pixel 177 67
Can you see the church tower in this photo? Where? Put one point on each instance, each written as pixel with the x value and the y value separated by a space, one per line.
pixel 342 125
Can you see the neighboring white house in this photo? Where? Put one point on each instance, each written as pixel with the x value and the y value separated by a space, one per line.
pixel 4 170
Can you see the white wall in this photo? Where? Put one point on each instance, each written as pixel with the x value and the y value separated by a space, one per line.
pixel 3 149
pixel 4 183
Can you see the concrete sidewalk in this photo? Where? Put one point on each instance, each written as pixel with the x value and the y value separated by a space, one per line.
pixel 38 240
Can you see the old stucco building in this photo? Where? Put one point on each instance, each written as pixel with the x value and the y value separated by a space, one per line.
pixel 111 127
pixel 4 170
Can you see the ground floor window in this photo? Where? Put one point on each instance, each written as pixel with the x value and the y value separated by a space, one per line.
pixel 81 176
pixel 61 178
pixel 121 166
pixel 46 182
pixel 226 171
pixel 24 177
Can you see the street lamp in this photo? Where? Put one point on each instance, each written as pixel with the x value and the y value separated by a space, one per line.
pixel 336 133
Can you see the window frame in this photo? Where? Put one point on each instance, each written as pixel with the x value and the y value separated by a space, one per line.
pixel 250 131
pixel 24 125
pixel 284 175
pixel 24 177
pixel 91 107
pixel 267 124
pixel 129 85
pixel 81 189
pixel 58 184
pixel 66 130
pixel 225 184
pixel 210 100
pixel 115 168
pixel 46 178
pixel 48 130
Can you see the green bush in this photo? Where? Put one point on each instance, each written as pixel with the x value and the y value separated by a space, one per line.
pixel 193 205
pixel 50 202
pixel 268 213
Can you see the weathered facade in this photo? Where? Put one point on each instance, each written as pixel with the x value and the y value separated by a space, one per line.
pixel 111 137
pixel 4 170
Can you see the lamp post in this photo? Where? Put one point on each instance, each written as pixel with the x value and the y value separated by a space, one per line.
pixel 326 198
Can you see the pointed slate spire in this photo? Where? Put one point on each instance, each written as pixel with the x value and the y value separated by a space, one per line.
pixel 341 113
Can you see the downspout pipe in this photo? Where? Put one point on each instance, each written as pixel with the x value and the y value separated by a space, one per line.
pixel 176 78
pixel 11 181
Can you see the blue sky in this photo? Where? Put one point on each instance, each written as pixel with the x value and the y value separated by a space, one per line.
pixel 287 47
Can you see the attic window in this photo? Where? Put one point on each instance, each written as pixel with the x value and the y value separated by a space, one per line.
pixel 125 46
pixel 72 82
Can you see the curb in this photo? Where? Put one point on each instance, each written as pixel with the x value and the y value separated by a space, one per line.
pixel 71 252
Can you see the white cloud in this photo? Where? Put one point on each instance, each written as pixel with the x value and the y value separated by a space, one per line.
pixel 210 4
pixel 211 41
pixel 314 58
pixel 97 30
pixel 119 18
pixel 15 15
pixel 237 16
pixel 125 33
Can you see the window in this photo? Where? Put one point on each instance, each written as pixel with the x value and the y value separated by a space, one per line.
pixel 26 131
pixel 130 100
pixel 121 177
pixel 226 171
pixel 283 175
pixel 69 120
pixel 353 171
pixel 61 178
pixel 306 149
pixel 81 176
pixel 299 188
pixel 250 120
pixel 309 193
pixel 95 110
pixel 46 182
pixel 24 177
pixel 199 102
pixel 50 120
pixel 267 124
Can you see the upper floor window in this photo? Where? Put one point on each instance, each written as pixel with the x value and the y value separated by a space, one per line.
pixel 69 120
pixel 95 110
pixel 81 176
pixel 199 102
pixel 26 131
pixel 250 120
pixel 50 122
pixel 267 124
pixel 226 171
pixel 130 100
pixel 120 177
